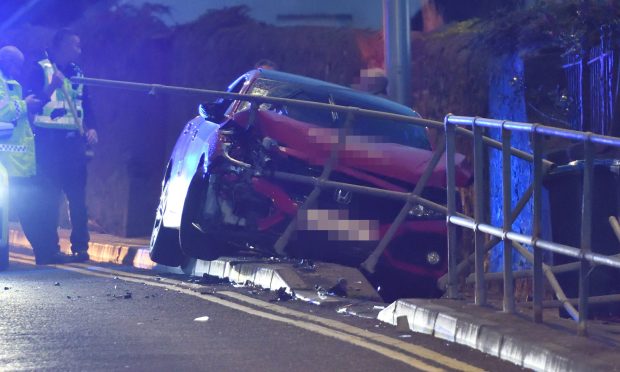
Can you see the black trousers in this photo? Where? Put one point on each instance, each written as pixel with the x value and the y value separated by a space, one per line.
pixel 61 167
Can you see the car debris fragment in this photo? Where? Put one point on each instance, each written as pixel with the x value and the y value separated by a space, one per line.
pixel 282 295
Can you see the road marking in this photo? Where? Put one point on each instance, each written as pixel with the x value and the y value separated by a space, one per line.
pixel 408 347
pixel 411 348
pixel 326 327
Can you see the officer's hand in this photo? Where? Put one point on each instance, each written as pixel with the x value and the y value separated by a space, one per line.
pixel 57 79
pixel 32 103
pixel 91 137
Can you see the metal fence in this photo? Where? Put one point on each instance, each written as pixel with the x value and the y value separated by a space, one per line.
pixel 480 227
pixel 452 126
pixel 592 81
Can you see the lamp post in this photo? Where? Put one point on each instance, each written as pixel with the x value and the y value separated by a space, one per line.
pixel 397 50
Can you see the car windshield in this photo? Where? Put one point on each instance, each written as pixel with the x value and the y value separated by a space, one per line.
pixel 380 129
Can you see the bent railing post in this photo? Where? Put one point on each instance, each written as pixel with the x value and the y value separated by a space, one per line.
pixel 559 292
pixel 509 295
pixel 371 262
pixel 466 262
pixel 480 251
pixel 283 240
pixel 538 283
pixel 452 287
pixel 586 235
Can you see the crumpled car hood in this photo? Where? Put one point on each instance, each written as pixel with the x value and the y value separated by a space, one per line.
pixel 365 154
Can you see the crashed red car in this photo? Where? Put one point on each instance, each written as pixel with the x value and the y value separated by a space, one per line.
pixel 239 179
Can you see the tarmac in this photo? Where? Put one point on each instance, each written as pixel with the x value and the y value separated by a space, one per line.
pixel 551 346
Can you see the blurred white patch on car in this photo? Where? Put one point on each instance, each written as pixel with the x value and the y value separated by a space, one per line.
pixel 338 225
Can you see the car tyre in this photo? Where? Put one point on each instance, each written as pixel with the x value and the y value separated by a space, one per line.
pixel 164 247
pixel 195 242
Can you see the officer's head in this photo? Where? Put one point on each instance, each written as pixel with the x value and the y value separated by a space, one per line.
pixel 11 61
pixel 66 46
pixel 266 64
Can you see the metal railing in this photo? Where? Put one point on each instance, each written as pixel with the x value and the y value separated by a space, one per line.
pixel 452 126
pixel 584 253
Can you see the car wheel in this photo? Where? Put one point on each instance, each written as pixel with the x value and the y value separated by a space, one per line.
pixel 164 247
pixel 195 241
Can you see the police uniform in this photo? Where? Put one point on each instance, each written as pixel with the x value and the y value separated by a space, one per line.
pixel 16 138
pixel 17 157
pixel 61 155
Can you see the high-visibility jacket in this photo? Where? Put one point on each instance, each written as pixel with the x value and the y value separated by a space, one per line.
pixel 16 138
pixel 57 113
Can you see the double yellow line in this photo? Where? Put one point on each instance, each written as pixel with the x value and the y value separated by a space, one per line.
pixel 413 355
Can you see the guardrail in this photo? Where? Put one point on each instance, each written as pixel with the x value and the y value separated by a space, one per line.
pixel 451 127
pixel 479 226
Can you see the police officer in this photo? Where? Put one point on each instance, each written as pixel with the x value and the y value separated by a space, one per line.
pixel 62 140
pixel 17 148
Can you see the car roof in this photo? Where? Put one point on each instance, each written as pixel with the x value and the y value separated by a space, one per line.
pixel 340 93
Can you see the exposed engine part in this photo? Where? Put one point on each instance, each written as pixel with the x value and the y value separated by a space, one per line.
pixel 225 148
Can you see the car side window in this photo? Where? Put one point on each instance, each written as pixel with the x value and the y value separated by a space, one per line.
pixel 322 118
pixel 235 87
pixel 272 88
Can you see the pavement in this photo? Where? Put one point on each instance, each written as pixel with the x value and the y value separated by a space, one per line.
pixel 551 346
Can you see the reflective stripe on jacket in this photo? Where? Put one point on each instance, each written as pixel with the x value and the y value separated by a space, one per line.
pixel 16 138
pixel 57 112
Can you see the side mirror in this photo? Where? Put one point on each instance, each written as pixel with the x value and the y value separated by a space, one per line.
pixel 213 111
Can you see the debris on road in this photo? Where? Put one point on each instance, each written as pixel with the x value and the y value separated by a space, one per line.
pixel 201 319
pixel 282 295
pixel 56 284
pixel 339 289
pixel 212 279
pixel 305 265
pixel 127 295
pixel 343 310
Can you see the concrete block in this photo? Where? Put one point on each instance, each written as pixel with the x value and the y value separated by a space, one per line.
pixel 287 278
pixel 537 359
pixel 263 276
pixel 246 273
pixel 424 320
pixel 561 364
pixel 278 281
pixel 218 268
pixel 445 327
pixel 489 341
pixel 201 267
pixel 513 350
pixel 467 333
pixel 387 315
